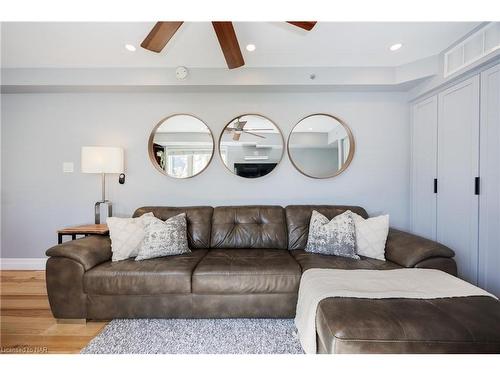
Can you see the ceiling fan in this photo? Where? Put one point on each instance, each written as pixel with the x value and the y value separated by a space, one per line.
pixel 238 129
pixel 163 31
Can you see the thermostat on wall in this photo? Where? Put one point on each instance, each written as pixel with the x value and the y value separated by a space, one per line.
pixel 181 72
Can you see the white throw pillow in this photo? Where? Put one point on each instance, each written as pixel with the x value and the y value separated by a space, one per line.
pixel 371 235
pixel 126 235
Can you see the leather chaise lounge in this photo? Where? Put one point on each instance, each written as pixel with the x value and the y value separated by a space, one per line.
pixel 247 261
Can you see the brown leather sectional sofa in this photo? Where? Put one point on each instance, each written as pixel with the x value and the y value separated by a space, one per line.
pixel 246 261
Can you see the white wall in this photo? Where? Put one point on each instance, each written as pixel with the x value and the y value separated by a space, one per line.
pixel 41 131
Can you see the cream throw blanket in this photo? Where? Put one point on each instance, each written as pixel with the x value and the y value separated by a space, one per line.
pixel 318 284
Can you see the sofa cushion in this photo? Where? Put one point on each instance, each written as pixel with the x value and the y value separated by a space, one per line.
pixel 245 271
pixel 153 276
pixel 311 260
pixel 199 222
pixel 298 218
pixel 442 325
pixel 249 227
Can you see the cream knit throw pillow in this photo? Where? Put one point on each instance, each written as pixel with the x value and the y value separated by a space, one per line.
pixel 126 235
pixel 371 235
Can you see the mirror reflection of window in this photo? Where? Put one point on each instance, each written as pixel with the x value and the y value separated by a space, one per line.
pixel 251 146
pixel 320 146
pixel 182 146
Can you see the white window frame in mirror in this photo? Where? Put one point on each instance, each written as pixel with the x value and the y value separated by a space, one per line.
pixel 151 151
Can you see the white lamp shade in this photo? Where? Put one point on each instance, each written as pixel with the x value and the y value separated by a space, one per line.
pixel 97 159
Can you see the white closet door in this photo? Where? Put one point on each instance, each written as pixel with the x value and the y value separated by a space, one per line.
pixel 489 198
pixel 424 163
pixel 458 165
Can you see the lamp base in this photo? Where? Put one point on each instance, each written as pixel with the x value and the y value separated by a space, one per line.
pixel 97 210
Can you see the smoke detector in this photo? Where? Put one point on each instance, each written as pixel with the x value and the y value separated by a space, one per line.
pixel 181 72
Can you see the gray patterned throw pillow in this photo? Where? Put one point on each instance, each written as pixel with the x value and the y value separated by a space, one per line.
pixel 164 238
pixel 332 237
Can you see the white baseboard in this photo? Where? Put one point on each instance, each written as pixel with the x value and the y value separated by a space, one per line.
pixel 22 263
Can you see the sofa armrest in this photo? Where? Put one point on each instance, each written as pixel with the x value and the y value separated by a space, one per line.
pixel 407 249
pixel 89 251
pixel 447 265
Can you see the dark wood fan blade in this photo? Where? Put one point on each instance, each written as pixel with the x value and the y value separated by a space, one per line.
pixel 229 44
pixel 240 125
pixel 306 25
pixel 159 35
pixel 255 134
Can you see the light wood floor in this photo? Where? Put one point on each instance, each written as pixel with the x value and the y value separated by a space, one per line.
pixel 26 322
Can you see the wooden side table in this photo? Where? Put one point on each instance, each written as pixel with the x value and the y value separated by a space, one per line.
pixel 85 230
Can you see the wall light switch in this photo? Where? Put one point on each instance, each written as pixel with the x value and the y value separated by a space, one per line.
pixel 68 167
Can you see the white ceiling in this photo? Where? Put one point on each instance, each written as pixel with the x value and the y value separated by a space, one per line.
pixel 183 124
pixel 329 44
pixel 317 124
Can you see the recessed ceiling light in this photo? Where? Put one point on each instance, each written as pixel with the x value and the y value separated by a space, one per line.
pixel 250 47
pixel 130 47
pixel 395 47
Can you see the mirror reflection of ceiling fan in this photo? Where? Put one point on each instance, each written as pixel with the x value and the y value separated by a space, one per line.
pixel 163 31
pixel 238 129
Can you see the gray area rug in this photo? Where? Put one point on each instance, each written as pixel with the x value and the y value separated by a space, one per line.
pixel 196 336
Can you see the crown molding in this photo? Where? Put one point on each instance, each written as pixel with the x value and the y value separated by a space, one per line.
pixel 401 78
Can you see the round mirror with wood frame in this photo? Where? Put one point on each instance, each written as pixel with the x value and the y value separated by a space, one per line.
pixel 181 146
pixel 251 146
pixel 321 146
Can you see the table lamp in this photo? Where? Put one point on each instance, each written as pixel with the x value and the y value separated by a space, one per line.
pixel 97 159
